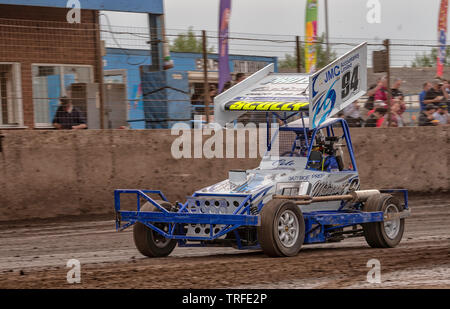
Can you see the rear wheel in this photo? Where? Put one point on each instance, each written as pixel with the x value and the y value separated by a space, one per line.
pixel 282 229
pixel 386 234
pixel 149 242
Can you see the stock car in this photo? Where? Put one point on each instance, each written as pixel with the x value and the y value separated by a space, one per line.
pixel 306 189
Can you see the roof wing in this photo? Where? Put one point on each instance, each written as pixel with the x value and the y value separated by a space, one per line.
pixel 333 88
pixel 264 91
pixel 337 85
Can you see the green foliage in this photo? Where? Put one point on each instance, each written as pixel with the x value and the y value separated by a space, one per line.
pixel 290 61
pixel 430 59
pixel 189 43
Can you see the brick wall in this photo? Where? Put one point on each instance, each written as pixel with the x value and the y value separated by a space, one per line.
pixel 42 35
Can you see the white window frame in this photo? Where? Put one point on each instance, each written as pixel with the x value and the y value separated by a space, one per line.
pixel 40 125
pixel 17 99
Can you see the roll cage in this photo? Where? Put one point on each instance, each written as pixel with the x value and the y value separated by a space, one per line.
pixel 306 140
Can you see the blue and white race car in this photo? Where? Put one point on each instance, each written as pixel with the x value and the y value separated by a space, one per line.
pixel 306 188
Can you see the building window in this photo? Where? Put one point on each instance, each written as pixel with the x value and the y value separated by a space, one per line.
pixel 50 82
pixel 11 113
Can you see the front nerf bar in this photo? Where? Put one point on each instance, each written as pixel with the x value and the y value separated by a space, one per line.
pixel 228 221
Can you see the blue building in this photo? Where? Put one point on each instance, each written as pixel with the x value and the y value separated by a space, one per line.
pixel 125 66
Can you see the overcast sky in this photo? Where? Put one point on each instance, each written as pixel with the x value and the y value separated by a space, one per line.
pixel 401 19
pixel 407 21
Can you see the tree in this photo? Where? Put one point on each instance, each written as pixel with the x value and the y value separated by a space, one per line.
pixel 290 61
pixel 189 43
pixel 430 59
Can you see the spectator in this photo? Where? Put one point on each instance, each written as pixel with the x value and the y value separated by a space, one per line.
pixel 434 95
pixel 441 114
pixel 426 117
pixel 381 93
pixel 68 117
pixel 369 105
pixel 239 78
pixel 426 87
pixel 396 117
pixel 374 117
pixel 397 95
pixel 446 91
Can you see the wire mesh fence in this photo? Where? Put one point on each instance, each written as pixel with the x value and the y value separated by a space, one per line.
pixel 92 75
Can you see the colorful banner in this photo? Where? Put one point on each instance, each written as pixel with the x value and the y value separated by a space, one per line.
pixel 311 36
pixel 224 20
pixel 442 33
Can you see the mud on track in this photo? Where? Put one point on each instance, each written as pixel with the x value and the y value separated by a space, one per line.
pixel 34 255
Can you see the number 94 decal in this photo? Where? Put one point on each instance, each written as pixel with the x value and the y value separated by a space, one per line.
pixel 350 81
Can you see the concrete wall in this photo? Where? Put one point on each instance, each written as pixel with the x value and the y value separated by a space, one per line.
pixel 47 174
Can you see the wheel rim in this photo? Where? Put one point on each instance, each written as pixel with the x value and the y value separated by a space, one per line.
pixel 392 227
pixel 159 240
pixel 288 228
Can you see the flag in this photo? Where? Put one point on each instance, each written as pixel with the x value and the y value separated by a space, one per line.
pixel 442 36
pixel 224 19
pixel 310 35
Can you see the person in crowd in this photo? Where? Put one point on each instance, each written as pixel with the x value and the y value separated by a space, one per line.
pixel 396 116
pixel 426 117
pixel 441 114
pixel 381 93
pixel 435 94
pixel 239 78
pixel 68 117
pixel 397 94
pixel 369 105
pixel 426 86
pixel 373 119
pixel 446 91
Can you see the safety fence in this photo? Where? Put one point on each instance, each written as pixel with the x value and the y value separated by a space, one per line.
pixel 55 74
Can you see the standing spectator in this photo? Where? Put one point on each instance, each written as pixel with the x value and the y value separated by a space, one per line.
pixel 381 93
pixel 377 114
pixel 426 87
pixel 68 117
pixel 426 117
pixel 441 114
pixel 369 105
pixel 434 95
pixel 397 94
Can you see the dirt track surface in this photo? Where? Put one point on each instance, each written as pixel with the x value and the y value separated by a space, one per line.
pixel 35 256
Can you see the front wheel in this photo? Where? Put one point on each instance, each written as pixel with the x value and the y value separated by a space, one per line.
pixel 282 229
pixel 149 242
pixel 385 234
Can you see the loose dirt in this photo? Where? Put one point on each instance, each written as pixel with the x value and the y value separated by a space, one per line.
pixel 34 255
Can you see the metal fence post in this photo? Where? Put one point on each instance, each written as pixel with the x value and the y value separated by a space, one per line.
pixel 99 71
pixel 205 75
pixel 388 76
pixel 298 51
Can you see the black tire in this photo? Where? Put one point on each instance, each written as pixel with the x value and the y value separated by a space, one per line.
pixel 149 242
pixel 268 233
pixel 375 233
